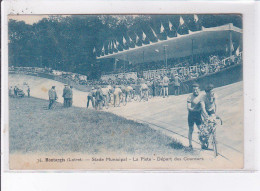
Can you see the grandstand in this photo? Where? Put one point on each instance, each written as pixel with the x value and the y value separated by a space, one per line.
pixel 192 55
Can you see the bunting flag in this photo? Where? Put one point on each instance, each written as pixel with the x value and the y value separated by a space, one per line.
pixel 181 21
pixel 130 39
pixel 237 51
pixel 161 29
pixel 108 46
pixel 156 50
pixel 154 32
pixel 124 40
pixel 170 25
pixel 103 49
pixel 117 43
pixel 114 44
pixel 94 50
pixel 137 38
pixel 144 36
pixel 196 18
pixel 232 47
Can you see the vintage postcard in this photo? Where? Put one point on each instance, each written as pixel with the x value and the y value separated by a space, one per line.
pixel 126 92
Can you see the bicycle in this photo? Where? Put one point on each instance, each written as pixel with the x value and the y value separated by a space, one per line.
pixel 134 95
pixel 123 99
pixel 207 133
pixel 144 97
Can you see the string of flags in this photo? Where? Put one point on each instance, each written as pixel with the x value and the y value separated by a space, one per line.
pixel 114 45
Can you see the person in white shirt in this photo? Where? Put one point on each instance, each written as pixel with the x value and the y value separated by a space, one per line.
pixel 209 102
pixel 117 93
pixel 144 90
pixel 165 86
pixel 194 111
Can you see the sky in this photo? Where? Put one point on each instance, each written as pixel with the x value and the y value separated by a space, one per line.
pixel 28 19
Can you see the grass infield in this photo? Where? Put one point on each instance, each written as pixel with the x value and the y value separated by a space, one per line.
pixel 34 128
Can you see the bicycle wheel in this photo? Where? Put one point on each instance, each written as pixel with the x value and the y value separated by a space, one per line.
pixel 139 98
pixel 150 95
pixel 135 97
pixel 214 143
pixel 106 104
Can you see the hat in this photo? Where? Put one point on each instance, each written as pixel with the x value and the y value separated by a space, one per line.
pixel 195 85
pixel 209 88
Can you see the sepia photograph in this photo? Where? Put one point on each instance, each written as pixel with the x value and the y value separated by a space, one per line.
pixel 126 92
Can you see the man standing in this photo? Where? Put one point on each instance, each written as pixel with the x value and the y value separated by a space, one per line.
pixel 15 91
pixel 117 94
pixel 66 96
pixel 70 96
pixel 91 97
pixel 165 86
pixel 11 91
pixel 52 96
pixel 194 111
pixel 28 91
pixel 154 85
pixel 177 85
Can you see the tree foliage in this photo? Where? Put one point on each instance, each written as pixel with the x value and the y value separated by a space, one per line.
pixel 66 42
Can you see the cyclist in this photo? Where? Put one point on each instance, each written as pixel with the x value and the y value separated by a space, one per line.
pixel 117 94
pixel 144 90
pixel 194 111
pixel 98 98
pixel 209 106
pixel 124 91
pixel 130 91
pixel 106 93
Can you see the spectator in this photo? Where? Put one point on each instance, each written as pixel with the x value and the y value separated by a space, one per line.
pixel 28 91
pixel 15 91
pixel 177 84
pixel 91 97
pixel 11 91
pixel 165 86
pixel 52 96
pixel 70 96
pixel 66 95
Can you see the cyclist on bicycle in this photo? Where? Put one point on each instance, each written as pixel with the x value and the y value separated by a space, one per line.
pixel 99 98
pixel 124 90
pixel 144 90
pixel 106 93
pixel 208 104
pixel 130 91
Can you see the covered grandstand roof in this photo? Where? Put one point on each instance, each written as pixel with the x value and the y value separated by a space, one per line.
pixel 204 41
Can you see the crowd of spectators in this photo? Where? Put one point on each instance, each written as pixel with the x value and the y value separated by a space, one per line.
pixel 184 70
pixel 67 77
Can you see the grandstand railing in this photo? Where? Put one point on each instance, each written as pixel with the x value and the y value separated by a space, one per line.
pixel 195 70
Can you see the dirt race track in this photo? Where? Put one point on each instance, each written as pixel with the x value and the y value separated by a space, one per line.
pixel 168 115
